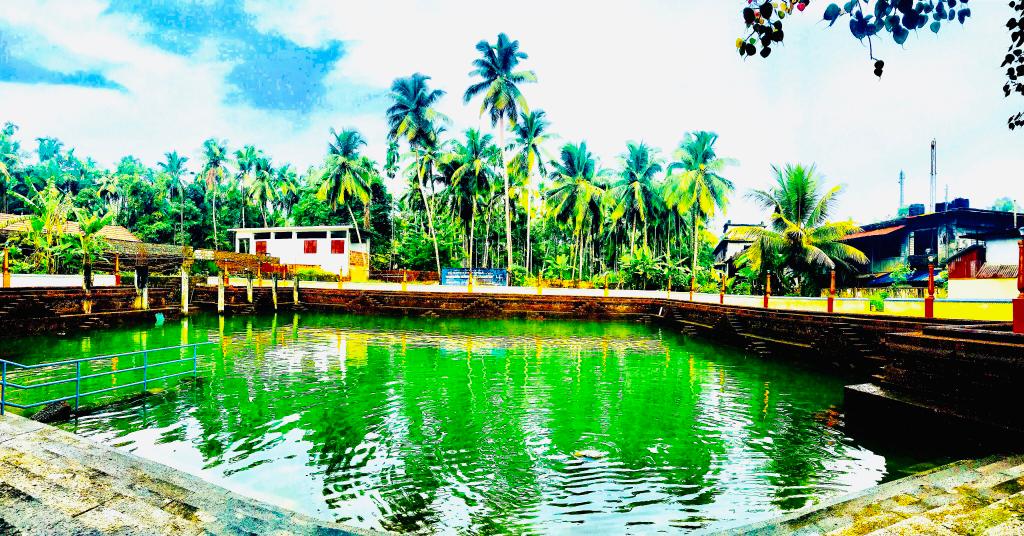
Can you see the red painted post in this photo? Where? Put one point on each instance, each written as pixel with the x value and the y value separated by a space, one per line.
pixel 929 302
pixel 693 283
pixel 117 270
pixel 767 288
pixel 721 294
pixel 1018 302
pixel 832 293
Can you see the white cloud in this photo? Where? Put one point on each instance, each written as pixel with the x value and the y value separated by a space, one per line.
pixel 609 72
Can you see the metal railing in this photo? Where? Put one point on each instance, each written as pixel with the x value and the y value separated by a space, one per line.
pixel 8 368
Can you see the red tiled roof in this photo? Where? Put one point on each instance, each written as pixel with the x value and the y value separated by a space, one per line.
pixel 16 223
pixel 877 232
pixel 997 271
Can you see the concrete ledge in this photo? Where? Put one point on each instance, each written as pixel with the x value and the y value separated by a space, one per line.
pixel 54 482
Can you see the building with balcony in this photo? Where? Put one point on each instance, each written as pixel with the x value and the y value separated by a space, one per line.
pixel 913 238
pixel 332 248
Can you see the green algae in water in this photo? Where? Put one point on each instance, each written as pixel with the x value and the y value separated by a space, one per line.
pixel 486 426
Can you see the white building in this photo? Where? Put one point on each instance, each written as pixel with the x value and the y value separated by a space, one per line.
pixel 331 248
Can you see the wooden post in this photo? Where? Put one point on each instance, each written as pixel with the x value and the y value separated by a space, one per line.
pixel 767 288
pixel 668 291
pixel 469 283
pixel 540 283
pixel 184 290
pixel 721 293
pixel 606 286
pixel 693 283
pixel 259 274
pixel 295 290
pixel 929 302
pixel 117 269
pixel 405 280
pixel 341 277
pixel 248 286
pixel 7 269
pixel 1018 302
pixel 220 291
pixel 832 293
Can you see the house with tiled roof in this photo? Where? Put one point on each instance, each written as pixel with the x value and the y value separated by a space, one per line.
pixel 16 223
pixel 919 238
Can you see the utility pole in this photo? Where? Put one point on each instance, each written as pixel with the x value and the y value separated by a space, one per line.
pixel 903 179
pixel 932 186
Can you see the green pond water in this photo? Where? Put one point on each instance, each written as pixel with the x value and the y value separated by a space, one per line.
pixel 478 426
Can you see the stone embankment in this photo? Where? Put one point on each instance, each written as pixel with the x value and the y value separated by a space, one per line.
pixel 54 482
pixel 983 497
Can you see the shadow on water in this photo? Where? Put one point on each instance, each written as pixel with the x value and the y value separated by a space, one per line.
pixel 490 425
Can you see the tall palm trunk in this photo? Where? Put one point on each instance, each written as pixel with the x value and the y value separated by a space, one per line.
pixel 359 237
pixel 508 208
pixel 215 219
pixel 472 236
pixel 243 207
pixel 693 254
pixel 182 211
pixel 430 224
pixel 529 246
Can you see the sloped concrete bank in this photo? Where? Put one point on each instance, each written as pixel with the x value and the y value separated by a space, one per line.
pixel 54 482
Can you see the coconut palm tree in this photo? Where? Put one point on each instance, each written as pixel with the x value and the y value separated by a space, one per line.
pixel 424 159
pixel 245 160
pixel 289 188
pixel 412 117
pixel 263 187
pixel 636 193
pixel 471 167
pixel 391 159
pixel 696 186
pixel 173 167
pixel 530 137
pixel 345 174
pixel 800 230
pixel 502 100
pixel 576 195
pixel 214 168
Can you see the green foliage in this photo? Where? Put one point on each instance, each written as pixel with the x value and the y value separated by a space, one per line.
pixel 900 275
pixel 800 241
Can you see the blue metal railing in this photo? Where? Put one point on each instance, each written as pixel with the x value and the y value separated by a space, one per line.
pixel 9 367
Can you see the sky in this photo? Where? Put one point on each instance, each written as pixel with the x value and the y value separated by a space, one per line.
pixel 143 77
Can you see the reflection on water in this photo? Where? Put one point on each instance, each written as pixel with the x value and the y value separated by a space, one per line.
pixel 487 426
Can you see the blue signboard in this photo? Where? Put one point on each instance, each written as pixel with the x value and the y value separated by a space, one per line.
pixel 481 276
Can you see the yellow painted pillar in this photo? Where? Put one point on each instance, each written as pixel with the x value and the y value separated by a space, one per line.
pixel 605 287
pixel 248 286
pixel 220 293
pixel 273 288
pixel 7 269
pixel 117 270
pixel 295 289
pixel 540 283
pixel 469 283
pixel 184 290
pixel 405 280
pixel 341 277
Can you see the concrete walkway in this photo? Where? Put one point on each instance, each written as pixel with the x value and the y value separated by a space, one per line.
pixel 53 482
pixel 967 497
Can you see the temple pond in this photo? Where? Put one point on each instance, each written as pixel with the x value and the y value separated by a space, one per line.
pixel 483 426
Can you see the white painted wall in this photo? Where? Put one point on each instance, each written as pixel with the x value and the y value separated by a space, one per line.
pixel 292 250
pixel 59 280
pixel 982 289
pixel 1001 251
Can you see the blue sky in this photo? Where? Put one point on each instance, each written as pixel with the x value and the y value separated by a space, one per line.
pixel 116 77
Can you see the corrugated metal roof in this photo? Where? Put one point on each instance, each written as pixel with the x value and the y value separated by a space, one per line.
pixel 997 271
pixel 17 223
pixel 876 232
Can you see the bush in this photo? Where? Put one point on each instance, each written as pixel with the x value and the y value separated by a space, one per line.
pixel 315 274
